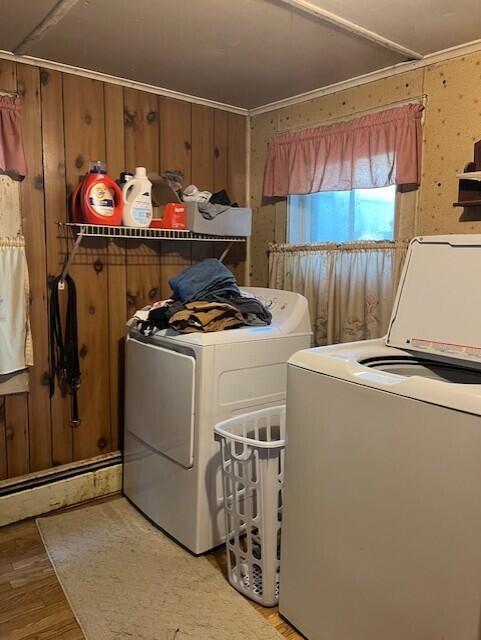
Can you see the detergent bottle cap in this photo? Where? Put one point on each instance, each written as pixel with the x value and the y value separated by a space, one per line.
pixel 140 172
pixel 98 167
pixel 125 176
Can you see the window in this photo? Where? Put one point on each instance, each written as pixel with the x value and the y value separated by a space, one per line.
pixel 342 216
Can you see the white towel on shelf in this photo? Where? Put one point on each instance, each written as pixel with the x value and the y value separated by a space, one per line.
pixel 16 351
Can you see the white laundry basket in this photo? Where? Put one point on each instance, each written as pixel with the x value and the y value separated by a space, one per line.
pixel 252 447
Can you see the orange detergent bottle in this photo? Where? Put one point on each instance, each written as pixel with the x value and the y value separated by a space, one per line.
pixel 75 205
pixel 100 198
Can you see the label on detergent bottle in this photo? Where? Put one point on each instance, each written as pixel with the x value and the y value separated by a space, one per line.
pixel 101 199
pixel 142 209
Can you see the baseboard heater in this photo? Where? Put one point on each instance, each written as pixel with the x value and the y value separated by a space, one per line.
pixel 41 478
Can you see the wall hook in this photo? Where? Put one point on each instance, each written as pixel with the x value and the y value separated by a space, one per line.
pixel 70 258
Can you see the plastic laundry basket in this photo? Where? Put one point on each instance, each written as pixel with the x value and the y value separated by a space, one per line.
pixel 252 447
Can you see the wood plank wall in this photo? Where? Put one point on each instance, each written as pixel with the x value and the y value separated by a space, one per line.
pixel 67 122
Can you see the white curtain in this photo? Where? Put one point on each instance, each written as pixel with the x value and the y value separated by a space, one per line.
pixel 16 351
pixel 350 287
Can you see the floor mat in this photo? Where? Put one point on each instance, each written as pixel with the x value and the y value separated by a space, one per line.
pixel 125 579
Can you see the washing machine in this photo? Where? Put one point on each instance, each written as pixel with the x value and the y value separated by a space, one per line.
pixel 382 503
pixel 178 386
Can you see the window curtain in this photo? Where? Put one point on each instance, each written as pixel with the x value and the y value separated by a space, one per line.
pixel 376 150
pixel 12 158
pixel 350 287
pixel 16 349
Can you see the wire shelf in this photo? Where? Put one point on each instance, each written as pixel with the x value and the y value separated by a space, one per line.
pixel 105 231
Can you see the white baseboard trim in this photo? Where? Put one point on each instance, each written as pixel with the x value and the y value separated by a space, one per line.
pixel 62 493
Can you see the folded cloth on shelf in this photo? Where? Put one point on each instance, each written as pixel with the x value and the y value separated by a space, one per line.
pixel 204 279
pixel 206 317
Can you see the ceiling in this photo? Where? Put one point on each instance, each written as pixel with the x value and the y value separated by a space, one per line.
pixel 245 53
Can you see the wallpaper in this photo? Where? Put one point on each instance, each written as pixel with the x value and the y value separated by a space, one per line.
pixel 451 125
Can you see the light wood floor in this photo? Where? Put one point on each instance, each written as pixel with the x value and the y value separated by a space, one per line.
pixel 32 603
pixel 218 560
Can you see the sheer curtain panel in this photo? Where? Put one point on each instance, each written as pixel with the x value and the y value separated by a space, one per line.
pixel 350 287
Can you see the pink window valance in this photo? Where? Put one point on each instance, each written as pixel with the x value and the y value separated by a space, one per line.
pixel 12 158
pixel 376 150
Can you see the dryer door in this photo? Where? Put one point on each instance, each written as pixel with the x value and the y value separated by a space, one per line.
pixel 159 399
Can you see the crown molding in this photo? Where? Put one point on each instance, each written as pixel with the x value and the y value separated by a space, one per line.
pixel 124 82
pixel 401 67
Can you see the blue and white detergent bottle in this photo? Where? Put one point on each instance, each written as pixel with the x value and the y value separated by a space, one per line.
pixel 137 200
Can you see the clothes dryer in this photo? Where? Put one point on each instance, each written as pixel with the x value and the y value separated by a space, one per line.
pixel 178 386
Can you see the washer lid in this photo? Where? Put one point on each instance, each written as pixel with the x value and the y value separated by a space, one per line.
pixel 437 310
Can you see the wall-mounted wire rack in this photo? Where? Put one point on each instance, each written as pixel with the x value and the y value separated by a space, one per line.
pixel 81 231
pixel 105 231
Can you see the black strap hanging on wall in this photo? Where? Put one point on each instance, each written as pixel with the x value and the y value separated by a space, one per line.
pixel 64 358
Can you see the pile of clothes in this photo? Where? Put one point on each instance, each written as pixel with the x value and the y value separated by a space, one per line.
pixel 205 298
pixel 210 205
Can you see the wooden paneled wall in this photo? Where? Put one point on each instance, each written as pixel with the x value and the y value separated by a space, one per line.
pixel 67 122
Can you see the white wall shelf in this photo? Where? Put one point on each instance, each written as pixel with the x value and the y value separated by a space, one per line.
pixel 81 230
pixel 126 233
